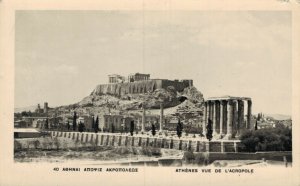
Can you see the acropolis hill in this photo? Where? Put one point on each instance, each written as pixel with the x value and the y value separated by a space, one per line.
pixel 122 94
pixel 138 84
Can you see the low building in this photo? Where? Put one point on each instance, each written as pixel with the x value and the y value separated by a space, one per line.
pixel 115 123
pixel 20 124
pixel 171 124
pixel 138 77
pixel 26 133
pixel 40 123
pixel 88 123
pixel 263 125
pixel 33 122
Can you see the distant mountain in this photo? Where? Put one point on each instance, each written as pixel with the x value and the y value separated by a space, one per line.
pixel 29 108
pixel 279 116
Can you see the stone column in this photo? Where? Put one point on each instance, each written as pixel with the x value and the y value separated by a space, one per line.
pixel 161 117
pixel 210 110
pixel 229 120
pixel 123 124
pixel 204 123
pixel 234 117
pixel 240 116
pixel 249 113
pixel 143 119
pixel 209 113
pixel 214 119
pixel 221 118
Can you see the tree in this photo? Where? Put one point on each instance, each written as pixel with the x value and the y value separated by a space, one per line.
pixel 125 128
pixel 81 127
pixel 201 131
pixel 47 124
pixel 93 123
pixel 68 125
pixel 131 128
pixel 24 113
pixel 258 116
pixel 269 139
pixel 209 130
pixel 96 125
pixel 112 128
pixel 179 129
pixel 74 121
pixel 153 131
pixel 36 144
pixel 255 128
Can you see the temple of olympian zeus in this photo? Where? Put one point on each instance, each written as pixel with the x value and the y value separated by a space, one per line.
pixel 226 115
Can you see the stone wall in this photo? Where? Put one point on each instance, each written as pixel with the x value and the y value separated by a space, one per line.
pixel 109 139
pixel 120 89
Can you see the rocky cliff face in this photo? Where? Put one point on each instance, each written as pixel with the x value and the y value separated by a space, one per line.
pixel 103 102
pixel 169 96
pixel 193 95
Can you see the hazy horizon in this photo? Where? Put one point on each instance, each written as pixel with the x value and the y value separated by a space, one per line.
pixel 60 56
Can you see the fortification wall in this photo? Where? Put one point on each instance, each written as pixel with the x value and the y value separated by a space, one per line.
pixel 110 139
pixel 121 89
pixel 138 87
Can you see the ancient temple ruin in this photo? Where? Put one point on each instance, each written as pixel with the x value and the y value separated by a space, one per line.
pixel 138 84
pixel 227 117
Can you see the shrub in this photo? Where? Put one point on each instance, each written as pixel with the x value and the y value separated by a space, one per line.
pixel 179 129
pixel 189 157
pixel 271 139
pixel 153 130
pixel 209 130
pixel 202 158
pixel 36 144
pixel 17 145
pixel 150 151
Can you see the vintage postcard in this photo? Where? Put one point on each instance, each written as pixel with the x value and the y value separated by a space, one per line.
pixel 149 93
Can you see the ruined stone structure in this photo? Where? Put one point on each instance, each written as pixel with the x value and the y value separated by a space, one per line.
pixel 139 87
pixel 161 118
pixel 143 118
pixel 119 122
pixel 115 78
pixel 46 107
pixel 226 114
pixel 138 77
pixel 40 110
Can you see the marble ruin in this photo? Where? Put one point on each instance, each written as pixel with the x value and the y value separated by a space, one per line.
pixel 226 116
pixel 138 84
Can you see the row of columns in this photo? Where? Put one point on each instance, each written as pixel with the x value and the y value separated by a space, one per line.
pixel 226 117
pixel 112 80
pixel 139 77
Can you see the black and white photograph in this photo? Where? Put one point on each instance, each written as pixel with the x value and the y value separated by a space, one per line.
pixel 153 88
pixel 134 94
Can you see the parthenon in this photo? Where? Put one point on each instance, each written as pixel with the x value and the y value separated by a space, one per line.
pixel 226 115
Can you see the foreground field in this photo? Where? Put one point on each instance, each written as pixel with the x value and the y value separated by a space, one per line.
pixel 61 149
pixel 65 150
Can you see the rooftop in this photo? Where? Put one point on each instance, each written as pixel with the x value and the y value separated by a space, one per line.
pixel 227 98
pixel 25 130
pixel 132 74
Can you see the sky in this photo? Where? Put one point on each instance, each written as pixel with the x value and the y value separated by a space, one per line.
pixel 60 56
